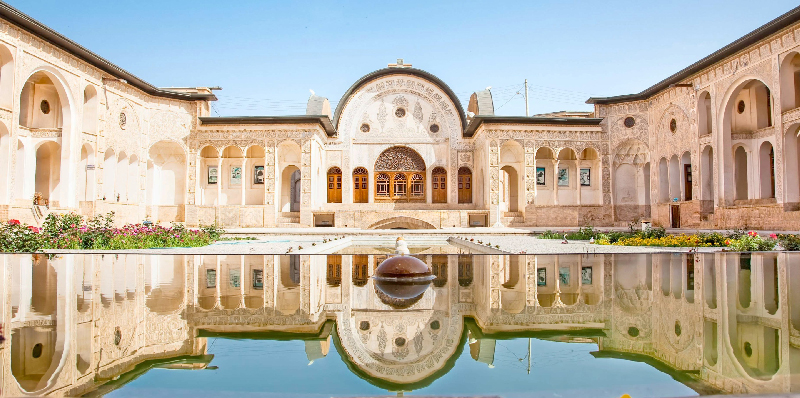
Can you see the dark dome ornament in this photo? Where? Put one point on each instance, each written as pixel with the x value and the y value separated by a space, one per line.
pixel 630 122
pixel 401 281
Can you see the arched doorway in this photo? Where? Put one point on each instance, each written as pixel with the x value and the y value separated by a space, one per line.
pixel 740 173
pixel 464 185
pixel 439 185
pixel 166 183
pixel 360 185
pixel 48 171
pixel 766 166
pixel 334 185
pixel 509 193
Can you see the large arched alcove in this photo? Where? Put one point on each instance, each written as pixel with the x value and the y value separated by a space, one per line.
pixel 46 105
pixel 6 77
pixel 512 161
pixel 5 159
pixel 289 155
pixel 254 177
pixel 791 166
pixel 566 177
pixel 166 174
pixel 707 174
pixel 704 117
pixel 400 175
pixel 86 176
pixel 121 180
pixel 91 103
pixel 747 108
pixel 790 81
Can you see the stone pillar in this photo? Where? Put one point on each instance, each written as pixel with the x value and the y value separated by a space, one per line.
pixel 306 218
pixel 605 178
pixel 529 174
pixel 220 180
pixel 556 163
pixel 244 182
pixel 270 179
pixel 494 182
pixel 191 216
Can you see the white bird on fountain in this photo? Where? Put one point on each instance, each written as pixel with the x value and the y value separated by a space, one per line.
pixel 400 247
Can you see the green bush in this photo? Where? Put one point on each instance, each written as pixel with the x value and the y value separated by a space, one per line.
pixel 752 242
pixel 789 242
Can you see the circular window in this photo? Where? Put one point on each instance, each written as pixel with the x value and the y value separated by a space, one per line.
pixel 117 336
pixel 45 107
pixel 748 349
pixel 740 107
pixel 400 112
pixel 37 350
pixel 630 122
pixel 435 325
pixel 633 331
pixel 365 128
pixel 123 120
pixel 434 128
pixel 677 328
pixel 364 325
pixel 399 341
pixel 673 125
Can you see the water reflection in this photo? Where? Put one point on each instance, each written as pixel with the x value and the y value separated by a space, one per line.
pixel 79 324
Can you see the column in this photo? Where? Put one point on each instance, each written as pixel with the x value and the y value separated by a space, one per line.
pixel 556 163
pixel 244 180
pixel 578 185
pixel 220 179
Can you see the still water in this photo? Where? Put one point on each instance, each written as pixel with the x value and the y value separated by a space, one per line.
pixel 319 325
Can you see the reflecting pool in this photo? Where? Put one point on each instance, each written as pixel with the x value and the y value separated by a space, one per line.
pixel 667 324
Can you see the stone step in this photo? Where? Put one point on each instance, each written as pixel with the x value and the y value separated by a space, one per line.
pixel 288 225
pixel 291 214
pixel 288 220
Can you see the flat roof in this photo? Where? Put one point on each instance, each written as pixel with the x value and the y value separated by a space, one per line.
pixel 745 41
pixel 41 30
pixel 323 120
pixel 477 121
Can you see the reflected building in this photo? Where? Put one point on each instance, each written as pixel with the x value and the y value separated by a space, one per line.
pixel 78 324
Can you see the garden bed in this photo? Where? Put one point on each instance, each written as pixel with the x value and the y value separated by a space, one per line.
pixel 72 232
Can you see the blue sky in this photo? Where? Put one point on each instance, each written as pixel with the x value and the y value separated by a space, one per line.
pixel 267 55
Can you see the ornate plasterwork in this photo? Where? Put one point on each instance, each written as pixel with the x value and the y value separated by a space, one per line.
pixel 424 104
pixel 169 125
pixel 399 158
pixel 123 138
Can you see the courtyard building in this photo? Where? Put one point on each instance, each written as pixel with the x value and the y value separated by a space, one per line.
pixel 712 146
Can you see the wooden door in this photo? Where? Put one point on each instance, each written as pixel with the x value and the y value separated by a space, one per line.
pixel 676 215
pixel 360 181
pixel 464 185
pixel 335 185
pixel 687 181
pixel 439 185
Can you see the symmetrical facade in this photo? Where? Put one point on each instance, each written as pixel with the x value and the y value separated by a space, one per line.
pixel 712 146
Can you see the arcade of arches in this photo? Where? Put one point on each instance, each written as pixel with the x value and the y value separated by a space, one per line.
pixel 717 147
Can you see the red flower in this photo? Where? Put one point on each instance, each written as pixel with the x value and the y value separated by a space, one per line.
pixel 752 233
pixel 34 229
pixel 13 222
pixel 773 236
pixel 728 242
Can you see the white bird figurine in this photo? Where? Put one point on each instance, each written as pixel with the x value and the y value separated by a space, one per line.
pixel 565 241
pixel 400 246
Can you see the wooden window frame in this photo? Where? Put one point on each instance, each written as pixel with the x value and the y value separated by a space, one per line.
pixel 403 186
pixel 439 185
pixel 360 185
pixel 334 185
pixel 464 185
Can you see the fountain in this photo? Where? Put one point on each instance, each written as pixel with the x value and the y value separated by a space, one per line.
pixel 401 280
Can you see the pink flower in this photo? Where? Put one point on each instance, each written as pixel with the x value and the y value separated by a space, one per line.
pixel 34 229
pixel 13 222
pixel 773 236
pixel 752 233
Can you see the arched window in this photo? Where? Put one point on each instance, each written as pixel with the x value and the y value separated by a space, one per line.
pixel 360 181
pixel 382 185
pixel 439 185
pixel 405 168
pixel 335 185
pixel 464 185
pixel 334 274
pixel 360 269
pixel 417 185
pixel 400 184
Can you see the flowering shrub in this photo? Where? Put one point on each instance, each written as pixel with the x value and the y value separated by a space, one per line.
pixel 789 242
pixel 681 240
pixel 70 232
pixel 752 242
